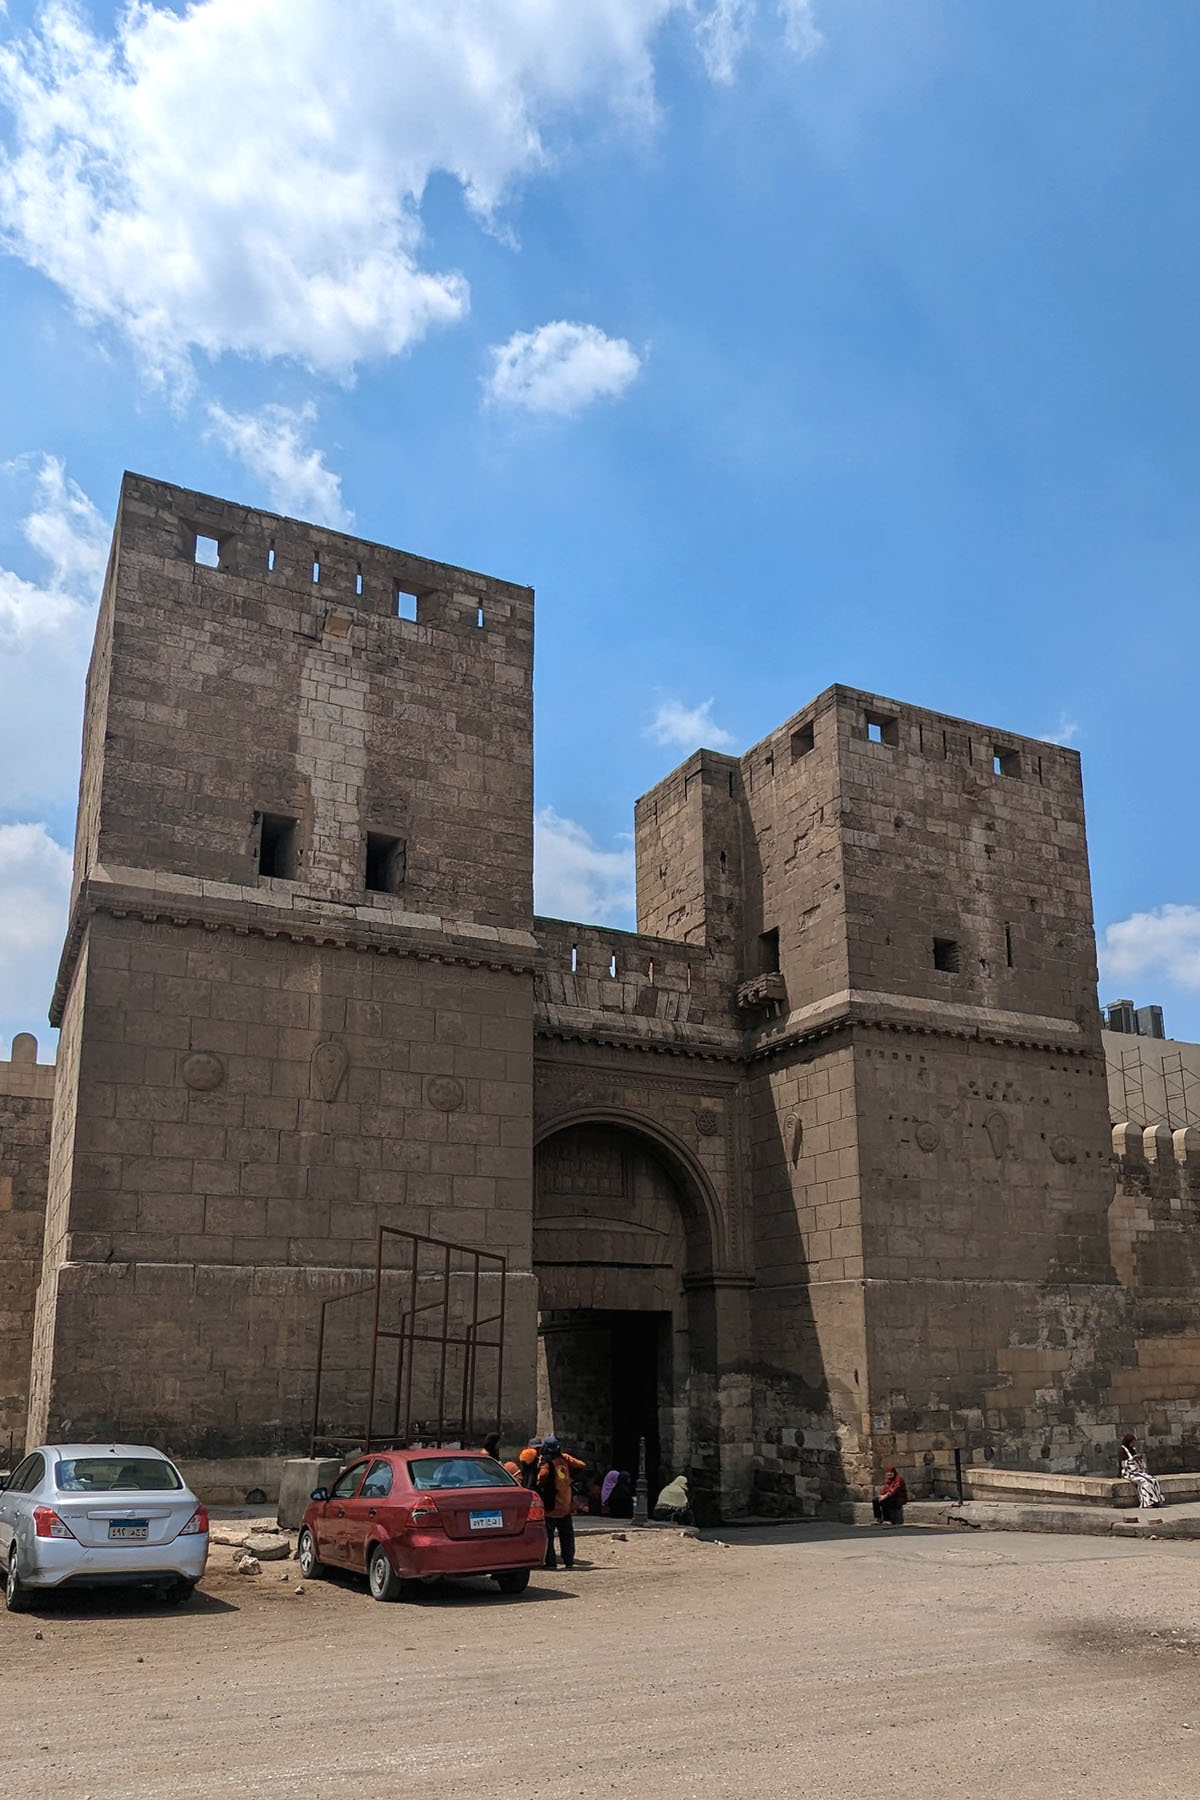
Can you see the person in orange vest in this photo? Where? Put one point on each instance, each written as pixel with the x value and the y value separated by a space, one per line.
pixel 555 1470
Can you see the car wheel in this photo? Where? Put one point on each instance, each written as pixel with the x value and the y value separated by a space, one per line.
pixel 513 1581
pixel 16 1594
pixel 311 1565
pixel 174 1593
pixel 384 1582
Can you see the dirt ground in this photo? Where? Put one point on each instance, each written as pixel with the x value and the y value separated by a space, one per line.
pixel 812 1660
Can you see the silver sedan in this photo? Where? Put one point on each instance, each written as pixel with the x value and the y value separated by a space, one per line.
pixel 86 1515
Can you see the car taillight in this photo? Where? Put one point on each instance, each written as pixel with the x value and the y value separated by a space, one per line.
pixel 423 1513
pixel 536 1509
pixel 46 1523
pixel 197 1523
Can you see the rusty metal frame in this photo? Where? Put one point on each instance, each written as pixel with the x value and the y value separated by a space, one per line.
pixel 407 1335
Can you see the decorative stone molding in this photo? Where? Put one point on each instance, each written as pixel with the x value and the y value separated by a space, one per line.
pixel 330 1066
pixel 202 1071
pixel 445 1093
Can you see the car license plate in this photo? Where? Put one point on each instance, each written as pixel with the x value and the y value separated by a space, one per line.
pixel 130 1530
pixel 490 1521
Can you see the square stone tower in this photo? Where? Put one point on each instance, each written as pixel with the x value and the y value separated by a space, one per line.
pixel 295 999
pixel 903 902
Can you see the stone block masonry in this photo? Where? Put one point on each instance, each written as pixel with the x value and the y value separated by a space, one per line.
pixel 296 1001
pixel 26 1103
pixel 809 1174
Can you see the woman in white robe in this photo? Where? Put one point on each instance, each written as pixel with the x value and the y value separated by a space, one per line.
pixel 1133 1468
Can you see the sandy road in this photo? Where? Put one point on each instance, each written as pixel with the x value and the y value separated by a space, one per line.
pixel 818 1661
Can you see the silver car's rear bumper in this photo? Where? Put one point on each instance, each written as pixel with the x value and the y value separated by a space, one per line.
pixel 49 1562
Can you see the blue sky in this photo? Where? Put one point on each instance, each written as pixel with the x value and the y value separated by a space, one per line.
pixel 775 344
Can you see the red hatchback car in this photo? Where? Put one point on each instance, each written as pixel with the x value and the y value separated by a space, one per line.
pixel 414 1515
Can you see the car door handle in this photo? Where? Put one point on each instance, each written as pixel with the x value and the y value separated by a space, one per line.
pixel 370 1512
pixel 341 1512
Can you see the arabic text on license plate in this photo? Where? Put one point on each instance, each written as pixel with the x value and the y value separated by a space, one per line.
pixel 130 1528
pixel 486 1521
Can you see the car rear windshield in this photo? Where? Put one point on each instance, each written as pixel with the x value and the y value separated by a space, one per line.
pixel 113 1474
pixel 458 1472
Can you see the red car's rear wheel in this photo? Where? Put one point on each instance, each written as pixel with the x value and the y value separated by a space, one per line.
pixel 513 1581
pixel 383 1580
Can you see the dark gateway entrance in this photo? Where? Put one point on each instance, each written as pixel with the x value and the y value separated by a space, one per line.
pixel 605 1380
pixel 614 1235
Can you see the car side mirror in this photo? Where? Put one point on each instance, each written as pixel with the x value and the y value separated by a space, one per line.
pixel 319 1494
pixel 3 1483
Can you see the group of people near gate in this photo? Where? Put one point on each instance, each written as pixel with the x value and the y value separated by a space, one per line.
pixel 558 1480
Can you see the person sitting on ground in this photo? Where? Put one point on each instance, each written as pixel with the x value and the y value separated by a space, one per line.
pixel 617 1494
pixel 673 1503
pixel 889 1503
pixel 1133 1468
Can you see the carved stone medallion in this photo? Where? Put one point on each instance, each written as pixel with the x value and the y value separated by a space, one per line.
pixel 927 1135
pixel 1062 1149
pixel 707 1122
pixel 330 1065
pixel 203 1071
pixel 996 1126
pixel 445 1093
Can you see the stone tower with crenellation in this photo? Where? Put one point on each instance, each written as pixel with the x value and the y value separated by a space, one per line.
pixel 296 995
pixel 902 904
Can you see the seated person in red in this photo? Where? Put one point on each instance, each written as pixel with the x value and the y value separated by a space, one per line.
pixel 889 1503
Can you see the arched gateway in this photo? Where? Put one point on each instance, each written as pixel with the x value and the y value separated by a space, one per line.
pixel 627 1234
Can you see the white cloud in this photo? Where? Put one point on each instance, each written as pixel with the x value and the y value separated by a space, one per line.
pixel 1164 942
pixel 573 878
pixel 724 30
pixel 35 884
pixel 682 727
pixel 248 175
pixel 272 445
pixel 560 368
pixel 1065 732
pixel 45 638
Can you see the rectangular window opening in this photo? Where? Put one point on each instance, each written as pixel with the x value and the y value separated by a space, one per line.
pixel 947 955
pixel 731 784
pixel 208 552
pixel 406 605
pixel 650 972
pixel 277 846
pixel 385 863
pixel 1008 947
pixel 883 729
pixel 803 741
pixel 768 952
pixel 358 582
pixel 316 572
pixel 270 559
pixel 612 966
pixel 945 744
pixel 1006 762
pixel 574 958
pixel 479 618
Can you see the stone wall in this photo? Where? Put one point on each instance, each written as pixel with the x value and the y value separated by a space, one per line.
pixel 26 1103
pixel 259 1068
